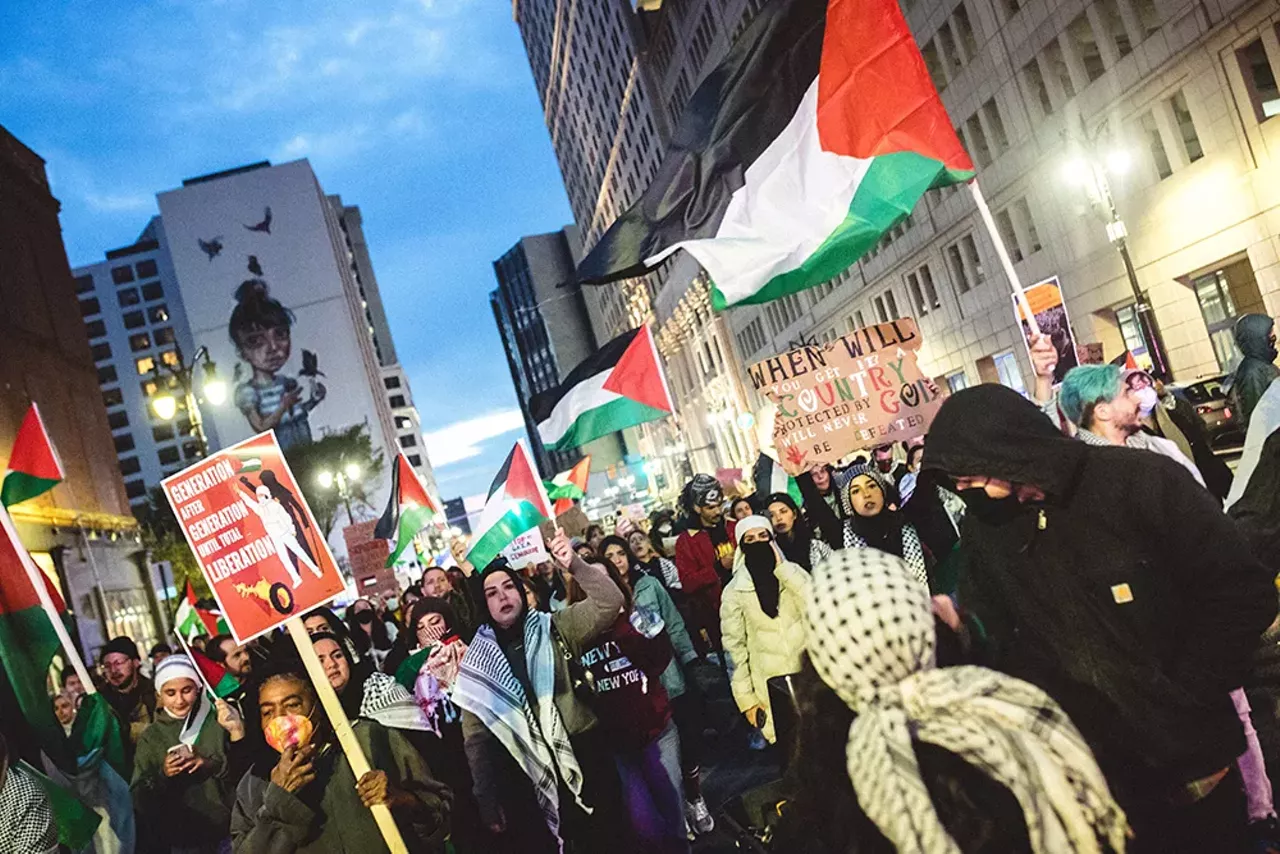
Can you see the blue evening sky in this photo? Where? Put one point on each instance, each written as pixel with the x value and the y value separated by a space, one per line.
pixel 422 112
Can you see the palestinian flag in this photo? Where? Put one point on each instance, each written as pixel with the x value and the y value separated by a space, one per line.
pixel 568 486
pixel 516 503
pixel 409 508
pixel 620 385
pixel 217 678
pixel 770 477
pixel 817 134
pixel 191 620
pixel 34 468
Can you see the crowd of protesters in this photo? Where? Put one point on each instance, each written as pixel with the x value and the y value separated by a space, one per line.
pixel 1034 629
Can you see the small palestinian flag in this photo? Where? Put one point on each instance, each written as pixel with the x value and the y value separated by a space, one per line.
pixel 620 385
pixel 516 503
pixel 817 134
pixel 191 620
pixel 770 477
pixel 217 678
pixel 34 468
pixel 409 508
pixel 568 486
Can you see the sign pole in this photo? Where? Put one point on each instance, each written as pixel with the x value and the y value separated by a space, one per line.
pixel 1003 255
pixel 342 728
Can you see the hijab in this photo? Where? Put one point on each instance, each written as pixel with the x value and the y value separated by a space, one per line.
pixel 761 560
pixel 882 531
pixel 796 545
pixel 871 638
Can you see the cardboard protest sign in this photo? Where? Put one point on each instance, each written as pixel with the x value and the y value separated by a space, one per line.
pixel 250 529
pixel 526 550
pixel 1045 299
pixel 859 391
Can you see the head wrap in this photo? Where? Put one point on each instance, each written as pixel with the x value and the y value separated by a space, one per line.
pixel 123 645
pixel 751 523
pixel 175 667
pixel 797 544
pixel 871 639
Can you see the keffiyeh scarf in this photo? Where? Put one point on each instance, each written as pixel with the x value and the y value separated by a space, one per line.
pixel 390 704
pixel 912 552
pixel 871 639
pixel 26 820
pixel 529 728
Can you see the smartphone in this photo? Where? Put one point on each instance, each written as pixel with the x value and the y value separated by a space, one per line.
pixel 448 639
pixel 183 750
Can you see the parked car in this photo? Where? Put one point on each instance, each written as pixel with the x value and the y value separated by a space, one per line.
pixel 1223 426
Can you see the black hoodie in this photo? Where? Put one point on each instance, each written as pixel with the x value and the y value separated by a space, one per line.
pixel 1128 595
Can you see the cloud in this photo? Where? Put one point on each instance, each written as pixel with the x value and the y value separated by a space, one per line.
pixel 461 440
pixel 114 202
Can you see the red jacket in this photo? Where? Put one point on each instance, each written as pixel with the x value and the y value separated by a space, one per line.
pixel 696 560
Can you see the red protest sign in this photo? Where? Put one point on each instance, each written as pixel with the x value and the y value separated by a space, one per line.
pixel 258 545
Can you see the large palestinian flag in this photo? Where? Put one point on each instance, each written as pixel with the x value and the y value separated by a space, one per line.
pixel 409 508
pixel 620 385
pixel 517 503
pixel 33 467
pixel 817 134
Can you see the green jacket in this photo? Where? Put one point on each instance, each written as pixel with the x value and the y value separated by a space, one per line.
pixel 187 811
pixel 650 595
pixel 328 817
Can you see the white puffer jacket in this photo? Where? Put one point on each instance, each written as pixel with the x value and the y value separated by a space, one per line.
pixel 762 647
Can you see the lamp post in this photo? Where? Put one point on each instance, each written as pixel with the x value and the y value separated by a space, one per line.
pixel 214 387
pixel 1091 170
pixel 346 475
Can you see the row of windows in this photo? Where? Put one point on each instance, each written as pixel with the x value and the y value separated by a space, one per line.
pixel 984 134
pixel 146 269
pixel 752 339
pixel 783 312
pixel 952 47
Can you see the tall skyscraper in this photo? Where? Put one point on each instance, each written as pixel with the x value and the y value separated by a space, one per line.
pixel 546 333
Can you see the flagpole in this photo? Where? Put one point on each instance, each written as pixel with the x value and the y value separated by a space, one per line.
pixel 37 579
pixel 1003 254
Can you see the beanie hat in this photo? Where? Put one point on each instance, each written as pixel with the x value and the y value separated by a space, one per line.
pixel 175 667
pixel 751 523
pixel 123 645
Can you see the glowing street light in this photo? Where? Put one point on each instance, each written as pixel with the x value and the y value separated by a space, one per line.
pixel 165 405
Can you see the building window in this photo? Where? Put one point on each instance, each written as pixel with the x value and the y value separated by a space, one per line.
pixel 978 146
pixel 147 269
pixel 112 397
pixel 1004 225
pixel 999 135
pixel 158 314
pixel 956 261
pixel 190 450
pixel 1011 7
pixel 122 275
pixel 1186 126
pixel 106 374
pixel 130 465
pixel 84 284
pixel 168 456
pixel 1010 375
pixel 974 261
pixel 95 328
pixel 170 358
pixel 1058 69
pixel 937 72
pixel 397 401
pixel 926 284
pixel 1033 82
pixel 414 460
pixel 947 45
pixel 1148 16
pixel 145 365
pixel 124 443
pixel 1084 42
pixel 100 351
pixel 964 31
pixel 152 291
pixel 881 315
pixel 139 341
pixel 916 294
pixel 408 441
pixel 892 305
pixel 956 381
pixel 1260 80
pixel 1109 10
pixel 391 382
pixel 133 320
pixel 135 488
pixel 1159 157
pixel 128 297
pixel 89 306
pixel 165 336
pixel 118 420
pixel 1022 214
pixel 162 433
pixel 403 422
pixel 149 388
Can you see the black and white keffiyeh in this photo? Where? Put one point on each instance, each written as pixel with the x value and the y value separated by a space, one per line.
pixel 530 728
pixel 389 703
pixel 871 639
pixel 26 819
pixel 912 552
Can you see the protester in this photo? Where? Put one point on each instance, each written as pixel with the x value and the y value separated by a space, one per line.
pixel 364 623
pixel 663 532
pixel 594 534
pixel 653 607
pixel 71 683
pixel 584 551
pixel 1101 562
pixel 626 663
pixel 132 696
pixel 548 585
pixel 300 794
pixel 823 478
pixel 1176 419
pixel 437 585
pixel 887 466
pixel 159 652
pixel 223 650
pixel 762 619
pixel 64 711
pixel 703 553
pixel 654 563
pixel 1255 336
pixel 894 753
pixel 178 792
pixel 791 532
pixel 26 818
pixel 740 508
pixel 543 773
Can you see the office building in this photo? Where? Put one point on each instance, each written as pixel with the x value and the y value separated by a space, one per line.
pixel 80 533
pixel 545 333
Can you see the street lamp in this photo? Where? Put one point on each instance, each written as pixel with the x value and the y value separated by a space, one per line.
pixel 1090 170
pixel 165 405
pixel 344 478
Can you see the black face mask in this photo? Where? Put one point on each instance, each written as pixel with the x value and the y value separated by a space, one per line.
pixel 761 561
pixel 760 557
pixel 364 617
pixel 993 511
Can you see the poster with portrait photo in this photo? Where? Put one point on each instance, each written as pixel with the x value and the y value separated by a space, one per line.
pixel 1050 310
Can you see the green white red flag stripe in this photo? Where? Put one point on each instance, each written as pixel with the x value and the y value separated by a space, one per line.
pixel 567 486
pixel 817 134
pixel 34 467
pixel 620 385
pixel 517 503
pixel 409 509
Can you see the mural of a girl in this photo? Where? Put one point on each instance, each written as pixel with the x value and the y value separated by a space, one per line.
pixel 261 329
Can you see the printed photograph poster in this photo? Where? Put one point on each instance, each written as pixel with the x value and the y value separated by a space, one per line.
pixel 250 529
pixel 1045 299
pixel 858 391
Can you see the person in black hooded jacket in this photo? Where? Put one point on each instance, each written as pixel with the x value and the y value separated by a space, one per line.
pixel 1113 581
pixel 1255 336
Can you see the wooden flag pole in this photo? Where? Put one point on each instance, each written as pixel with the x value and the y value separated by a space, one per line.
pixel 37 579
pixel 186 649
pixel 1003 254
pixel 342 728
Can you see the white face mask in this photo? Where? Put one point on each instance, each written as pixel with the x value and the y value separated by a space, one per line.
pixel 1147 400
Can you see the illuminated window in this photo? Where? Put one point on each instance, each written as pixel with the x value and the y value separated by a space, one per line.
pixel 145 365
